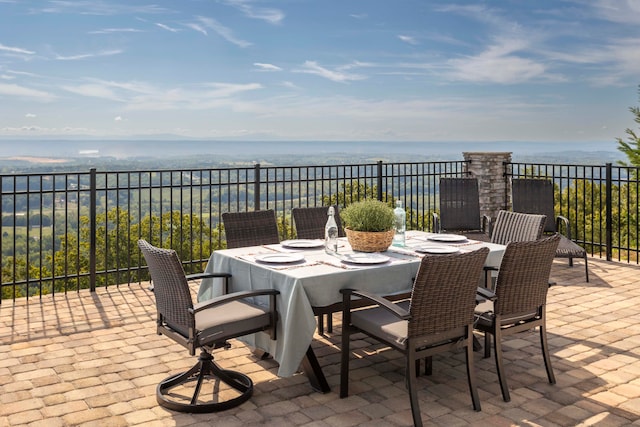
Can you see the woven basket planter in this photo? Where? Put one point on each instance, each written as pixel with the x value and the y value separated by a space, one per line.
pixel 369 241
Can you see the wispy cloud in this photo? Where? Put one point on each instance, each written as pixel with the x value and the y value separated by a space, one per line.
pixel 116 30
pixel 408 39
pixel 88 55
pixel 143 96
pixel 98 7
pixel 498 63
pixel 270 15
pixel 196 27
pixel 30 115
pixel 18 50
pixel 166 27
pixel 205 23
pixel 625 12
pixel 94 91
pixel 337 75
pixel 267 67
pixel 25 92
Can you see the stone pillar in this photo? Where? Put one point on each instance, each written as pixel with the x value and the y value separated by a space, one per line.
pixel 488 168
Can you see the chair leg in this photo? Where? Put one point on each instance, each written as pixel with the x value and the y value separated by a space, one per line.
pixel 320 324
pixel 428 365
pixel 487 345
pixel 545 353
pixel 413 390
pixel 497 349
pixel 586 268
pixel 344 358
pixel 471 372
pixel 330 322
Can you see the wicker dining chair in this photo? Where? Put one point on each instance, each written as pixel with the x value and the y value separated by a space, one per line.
pixel 440 318
pixel 250 228
pixel 519 301
pixel 460 209
pixel 513 227
pixel 531 195
pixel 206 325
pixel 517 227
pixel 310 222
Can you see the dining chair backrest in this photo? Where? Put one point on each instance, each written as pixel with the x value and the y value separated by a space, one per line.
pixel 534 196
pixel 459 204
pixel 170 287
pixel 310 222
pixel 443 295
pixel 250 228
pixel 523 278
pixel 517 227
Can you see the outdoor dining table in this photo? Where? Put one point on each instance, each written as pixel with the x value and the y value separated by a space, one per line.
pixel 309 278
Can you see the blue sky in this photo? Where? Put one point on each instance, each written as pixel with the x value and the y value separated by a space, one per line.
pixel 396 70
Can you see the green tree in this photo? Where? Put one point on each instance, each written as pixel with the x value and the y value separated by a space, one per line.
pixel 631 147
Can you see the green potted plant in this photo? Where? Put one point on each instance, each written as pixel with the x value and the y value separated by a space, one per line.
pixel 369 225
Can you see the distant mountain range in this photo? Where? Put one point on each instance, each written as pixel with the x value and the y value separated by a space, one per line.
pixel 122 149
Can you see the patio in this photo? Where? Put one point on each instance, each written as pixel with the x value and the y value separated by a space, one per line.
pixel 94 359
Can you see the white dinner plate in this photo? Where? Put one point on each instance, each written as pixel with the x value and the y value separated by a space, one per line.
pixel 364 258
pixel 302 243
pixel 437 250
pixel 448 238
pixel 279 258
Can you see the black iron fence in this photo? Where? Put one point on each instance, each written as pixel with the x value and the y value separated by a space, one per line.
pixel 69 231
pixel 63 232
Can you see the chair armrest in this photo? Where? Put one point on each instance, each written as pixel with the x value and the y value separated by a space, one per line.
pixel 197 276
pixel 563 220
pixel 485 293
pixel 376 299
pixel 224 299
pixel 487 275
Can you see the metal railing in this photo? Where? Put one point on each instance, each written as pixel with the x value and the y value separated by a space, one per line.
pixel 601 203
pixel 63 232
pixel 69 231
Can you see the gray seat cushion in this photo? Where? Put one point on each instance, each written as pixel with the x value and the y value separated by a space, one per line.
pixel 382 323
pixel 228 320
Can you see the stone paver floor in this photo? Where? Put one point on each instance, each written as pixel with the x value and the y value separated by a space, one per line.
pixel 95 360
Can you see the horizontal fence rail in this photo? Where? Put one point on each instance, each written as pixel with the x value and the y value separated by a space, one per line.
pixel 63 232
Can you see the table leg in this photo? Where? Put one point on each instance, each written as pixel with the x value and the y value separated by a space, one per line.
pixel 314 372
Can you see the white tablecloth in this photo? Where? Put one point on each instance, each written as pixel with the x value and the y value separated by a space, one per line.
pixel 315 282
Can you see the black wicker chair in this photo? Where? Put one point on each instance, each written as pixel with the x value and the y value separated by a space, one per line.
pixel 517 227
pixel 536 196
pixel 513 227
pixel 519 301
pixel 205 326
pixel 310 222
pixel 439 318
pixel 250 228
pixel 460 209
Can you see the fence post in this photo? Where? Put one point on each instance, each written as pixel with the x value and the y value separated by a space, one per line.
pixel 609 212
pixel 379 179
pixel 256 187
pixel 92 228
